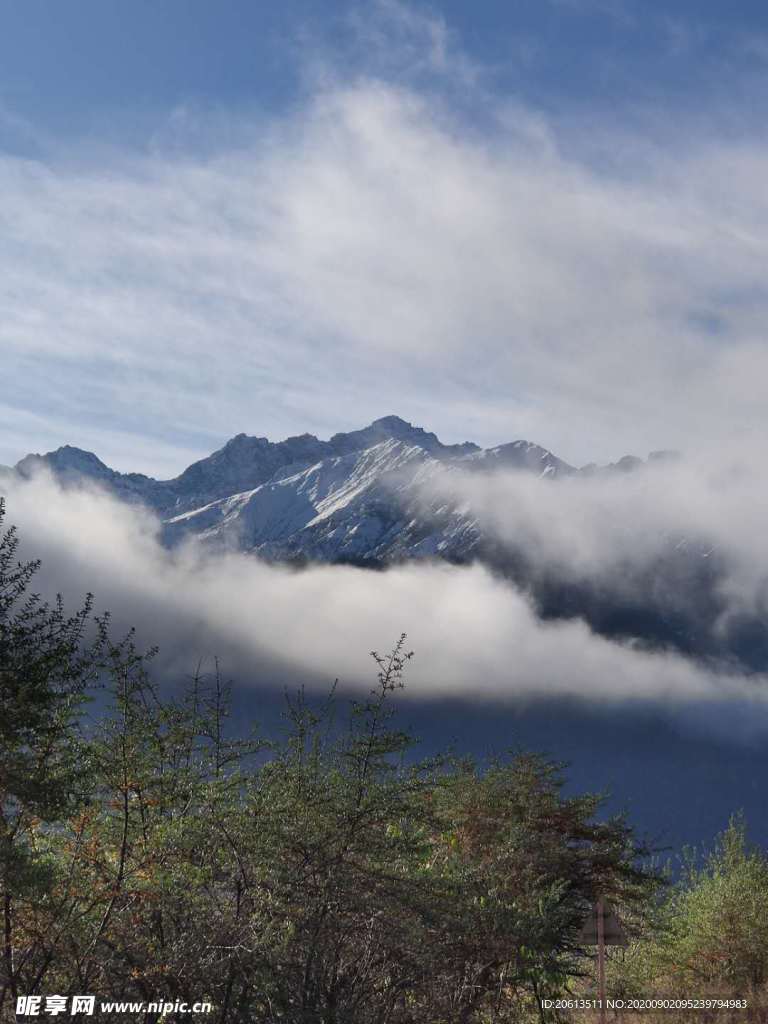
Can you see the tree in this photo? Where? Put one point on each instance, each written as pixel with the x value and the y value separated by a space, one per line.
pixel 708 935
pixel 526 865
pixel 385 890
pixel 45 668
pixel 720 916
pixel 336 898
pixel 144 882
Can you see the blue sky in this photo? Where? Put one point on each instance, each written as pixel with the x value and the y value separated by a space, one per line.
pixel 71 69
pixel 540 219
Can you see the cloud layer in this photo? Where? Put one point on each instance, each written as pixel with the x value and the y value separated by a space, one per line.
pixel 609 528
pixel 377 250
pixel 476 638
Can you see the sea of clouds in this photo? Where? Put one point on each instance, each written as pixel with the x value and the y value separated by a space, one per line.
pixel 475 635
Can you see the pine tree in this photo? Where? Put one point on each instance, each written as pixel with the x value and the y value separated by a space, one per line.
pixel 45 669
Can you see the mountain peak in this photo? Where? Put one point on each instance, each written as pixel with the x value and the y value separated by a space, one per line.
pixel 393 423
pixel 520 455
pixel 63 461
pixel 400 430
pixel 244 441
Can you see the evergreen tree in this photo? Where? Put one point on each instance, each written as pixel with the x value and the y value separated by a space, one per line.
pixel 45 668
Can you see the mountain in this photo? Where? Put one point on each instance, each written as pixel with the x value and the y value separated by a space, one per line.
pixel 361 498
pixel 364 505
pixel 71 466
pixel 522 455
pixel 245 465
pixel 357 496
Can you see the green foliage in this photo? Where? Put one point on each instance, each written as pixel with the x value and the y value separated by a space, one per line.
pixel 45 668
pixel 709 935
pixel 719 916
pixel 44 671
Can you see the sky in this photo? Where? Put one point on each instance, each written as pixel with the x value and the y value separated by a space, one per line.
pixel 498 220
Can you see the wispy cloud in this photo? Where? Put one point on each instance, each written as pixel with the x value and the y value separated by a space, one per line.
pixel 395 38
pixel 375 251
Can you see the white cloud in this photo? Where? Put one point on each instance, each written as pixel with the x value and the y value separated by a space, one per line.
pixel 593 522
pixel 474 636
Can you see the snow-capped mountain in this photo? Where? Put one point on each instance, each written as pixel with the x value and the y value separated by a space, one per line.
pixel 519 455
pixel 377 496
pixel 358 496
pixel 342 506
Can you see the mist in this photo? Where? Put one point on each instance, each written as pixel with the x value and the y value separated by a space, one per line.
pixel 475 636
pixel 590 524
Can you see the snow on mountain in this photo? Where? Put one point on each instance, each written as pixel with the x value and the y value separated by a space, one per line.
pixel 243 464
pixel 519 455
pixel 393 428
pixel 357 496
pixel 350 506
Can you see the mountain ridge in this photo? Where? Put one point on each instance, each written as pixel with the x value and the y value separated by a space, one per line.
pixel 243 463
pixel 240 451
pixel 381 495
pixel 359 495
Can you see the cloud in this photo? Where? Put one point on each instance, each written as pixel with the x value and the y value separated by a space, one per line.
pixel 474 635
pixel 677 545
pixel 592 522
pixel 395 39
pixel 379 249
